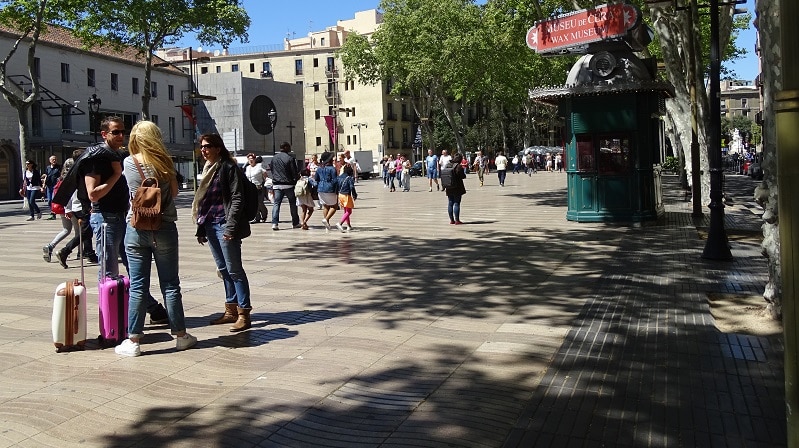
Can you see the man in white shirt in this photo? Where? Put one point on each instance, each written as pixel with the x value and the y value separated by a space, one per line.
pixel 502 166
pixel 257 174
pixel 444 159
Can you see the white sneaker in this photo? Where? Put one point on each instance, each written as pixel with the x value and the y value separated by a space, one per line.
pixel 185 341
pixel 128 348
pixel 274 227
pixel 326 224
pixel 338 226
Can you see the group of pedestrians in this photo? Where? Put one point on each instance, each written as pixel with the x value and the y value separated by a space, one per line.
pixel 396 168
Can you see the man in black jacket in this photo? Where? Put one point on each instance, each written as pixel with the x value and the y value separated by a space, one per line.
pixel 284 177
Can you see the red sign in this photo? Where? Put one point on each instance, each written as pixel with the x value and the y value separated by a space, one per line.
pixel 580 28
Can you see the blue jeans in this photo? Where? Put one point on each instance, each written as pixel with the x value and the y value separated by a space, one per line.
pixel 49 191
pixel 108 251
pixel 32 206
pixel 288 193
pixel 141 246
pixel 227 256
pixel 454 207
pixel 501 176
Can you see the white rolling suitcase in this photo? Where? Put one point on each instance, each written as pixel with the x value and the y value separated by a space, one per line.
pixel 69 313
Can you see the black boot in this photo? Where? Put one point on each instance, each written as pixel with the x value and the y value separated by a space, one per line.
pixel 159 316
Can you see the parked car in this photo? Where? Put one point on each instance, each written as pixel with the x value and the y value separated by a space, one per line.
pixel 417 169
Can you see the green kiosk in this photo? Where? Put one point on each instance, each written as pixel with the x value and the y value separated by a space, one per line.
pixel 611 105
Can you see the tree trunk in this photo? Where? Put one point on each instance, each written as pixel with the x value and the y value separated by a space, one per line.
pixel 766 193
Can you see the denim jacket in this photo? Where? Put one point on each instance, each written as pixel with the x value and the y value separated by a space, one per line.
pixel 346 185
pixel 326 180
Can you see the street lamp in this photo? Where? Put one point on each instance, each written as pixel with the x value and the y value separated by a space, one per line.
pixel 273 120
pixel 382 124
pixel 94 109
pixel 359 125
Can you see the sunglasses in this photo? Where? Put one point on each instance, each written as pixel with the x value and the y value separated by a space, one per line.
pixel 117 132
pixel 206 146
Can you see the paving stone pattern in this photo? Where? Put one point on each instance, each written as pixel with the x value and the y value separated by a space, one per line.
pixel 518 328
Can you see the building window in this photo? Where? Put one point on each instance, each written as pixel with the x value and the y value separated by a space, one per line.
pixel 154 89
pixel 331 64
pixel 318 141
pixel 743 102
pixel 404 136
pixel 349 139
pixel 219 69
pixel 354 139
pixel 352 109
pixel 298 67
pixel 316 87
pixel 37 68
pixel 171 129
pixel 170 90
pixel 234 68
pixel 317 114
pixel 204 70
pixel 252 68
pixel 322 41
pixel 316 62
pixel 66 119
pixel 135 86
pixel 114 82
pixel 266 67
pixel 90 77
pixel 154 119
pixel 64 72
pixel 36 119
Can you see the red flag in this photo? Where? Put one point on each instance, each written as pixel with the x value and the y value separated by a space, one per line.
pixel 330 122
pixel 188 111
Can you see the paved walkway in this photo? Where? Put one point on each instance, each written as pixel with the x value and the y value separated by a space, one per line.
pixel 518 329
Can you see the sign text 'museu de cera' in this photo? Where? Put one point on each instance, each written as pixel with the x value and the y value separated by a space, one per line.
pixel 582 27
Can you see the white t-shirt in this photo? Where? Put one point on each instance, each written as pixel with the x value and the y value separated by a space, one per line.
pixel 255 174
pixel 501 162
pixel 444 160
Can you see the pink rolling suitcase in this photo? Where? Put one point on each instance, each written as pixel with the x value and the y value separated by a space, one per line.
pixel 113 297
pixel 69 314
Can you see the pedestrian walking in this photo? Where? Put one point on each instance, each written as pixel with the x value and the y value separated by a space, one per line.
pixel 284 178
pixel 256 174
pixel 52 173
pixel 304 199
pixel 392 172
pixel 218 210
pixel 149 158
pixel 456 191
pixel 480 164
pixel 406 174
pixel 31 189
pixel 502 165
pixel 66 221
pixel 327 184
pixel 80 222
pixel 431 163
pixel 346 198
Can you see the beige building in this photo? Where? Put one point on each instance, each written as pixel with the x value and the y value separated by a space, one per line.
pixel 60 119
pixel 353 111
pixel 739 98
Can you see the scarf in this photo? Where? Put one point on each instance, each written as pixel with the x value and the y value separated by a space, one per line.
pixel 209 170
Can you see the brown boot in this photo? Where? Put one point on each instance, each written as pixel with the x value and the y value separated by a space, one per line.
pixel 243 321
pixel 230 316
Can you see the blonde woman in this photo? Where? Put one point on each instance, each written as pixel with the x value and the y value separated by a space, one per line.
pixel 148 156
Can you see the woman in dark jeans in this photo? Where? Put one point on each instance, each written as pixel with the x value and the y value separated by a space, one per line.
pixel 456 191
pixel 32 188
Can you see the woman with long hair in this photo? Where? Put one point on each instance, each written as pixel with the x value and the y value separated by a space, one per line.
pixel 150 159
pixel 218 210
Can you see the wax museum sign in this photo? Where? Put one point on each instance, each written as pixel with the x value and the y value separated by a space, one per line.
pixel 574 32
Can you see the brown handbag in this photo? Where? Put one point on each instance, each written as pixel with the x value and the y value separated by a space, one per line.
pixel 146 204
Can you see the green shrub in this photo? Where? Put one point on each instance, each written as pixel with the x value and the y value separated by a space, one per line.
pixel 671 164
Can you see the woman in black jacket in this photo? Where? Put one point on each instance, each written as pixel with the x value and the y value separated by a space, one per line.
pixel 218 210
pixel 456 190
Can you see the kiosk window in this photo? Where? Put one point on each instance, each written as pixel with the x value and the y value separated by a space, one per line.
pixel 613 155
pixel 585 153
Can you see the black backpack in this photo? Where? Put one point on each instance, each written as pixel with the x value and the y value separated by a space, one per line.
pixel 447 175
pixel 250 196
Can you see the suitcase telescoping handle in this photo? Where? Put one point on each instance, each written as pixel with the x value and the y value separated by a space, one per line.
pixel 80 242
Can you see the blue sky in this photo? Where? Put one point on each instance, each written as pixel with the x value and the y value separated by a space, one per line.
pixel 273 21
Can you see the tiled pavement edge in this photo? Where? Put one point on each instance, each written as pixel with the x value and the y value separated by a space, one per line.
pixel 406 332
pixel 645 366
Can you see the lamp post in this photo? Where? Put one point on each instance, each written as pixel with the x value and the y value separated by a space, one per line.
pixel 717 246
pixel 273 120
pixel 382 124
pixel 94 109
pixel 359 125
